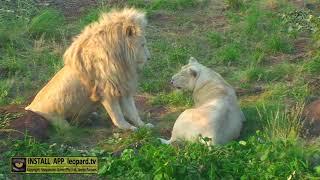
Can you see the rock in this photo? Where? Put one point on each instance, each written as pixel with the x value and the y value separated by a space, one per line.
pixel 30 123
pixel 311 119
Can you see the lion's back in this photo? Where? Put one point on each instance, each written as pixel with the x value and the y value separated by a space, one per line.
pixel 62 95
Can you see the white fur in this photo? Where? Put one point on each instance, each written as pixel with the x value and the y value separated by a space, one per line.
pixel 216 114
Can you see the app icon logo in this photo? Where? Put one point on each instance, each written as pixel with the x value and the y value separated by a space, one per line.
pixel 18 165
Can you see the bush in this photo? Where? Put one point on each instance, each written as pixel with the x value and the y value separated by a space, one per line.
pixel 48 22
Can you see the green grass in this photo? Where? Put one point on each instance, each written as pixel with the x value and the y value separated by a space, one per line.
pixel 247 52
pixel 215 39
pixel 245 159
pixel 4 87
pixel 281 123
pixel 235 4
pixel 312 66
pixel 276 44
pixel 258 73
pixel 229 53
pixel 175 98
pixel 171 5
pixel 48 23
pixel 91 16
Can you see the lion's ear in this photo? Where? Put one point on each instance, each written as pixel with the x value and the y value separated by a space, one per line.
pixel 194 72
pixel 192 60
pixel 131 31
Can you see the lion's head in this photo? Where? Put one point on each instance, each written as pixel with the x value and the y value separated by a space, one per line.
pixel 187 77
pixel 109 52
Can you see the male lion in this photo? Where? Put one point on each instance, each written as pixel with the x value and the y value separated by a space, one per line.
pixel 217 114
pixel 100 66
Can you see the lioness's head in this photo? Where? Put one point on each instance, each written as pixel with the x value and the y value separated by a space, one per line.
pixel 188 75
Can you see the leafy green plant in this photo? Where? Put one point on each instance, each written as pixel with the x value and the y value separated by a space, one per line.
pixel 245 159
pixel 299 20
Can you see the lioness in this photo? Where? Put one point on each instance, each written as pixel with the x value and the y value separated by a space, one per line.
pixel 100 67
pixel 216 114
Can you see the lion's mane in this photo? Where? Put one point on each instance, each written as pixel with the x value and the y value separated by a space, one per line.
pixel 104 53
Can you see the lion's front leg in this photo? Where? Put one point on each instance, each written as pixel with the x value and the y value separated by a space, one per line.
pixel 113 108
pixel 130 111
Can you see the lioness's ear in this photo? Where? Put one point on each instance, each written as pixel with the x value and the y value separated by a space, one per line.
pixel 192 60
pixel 193 72
pixel 131 31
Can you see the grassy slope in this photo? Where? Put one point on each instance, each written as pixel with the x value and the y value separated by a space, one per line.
pixel 249 46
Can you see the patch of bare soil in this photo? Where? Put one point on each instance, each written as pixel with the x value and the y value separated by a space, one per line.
pixel 70 8
pixel 20 122
pixel 155 112
pixel 251 91
pixel 162 17
pixel 190 20
pixel 298 3
pixel 312 5
pixel 213 18
pixel 12 109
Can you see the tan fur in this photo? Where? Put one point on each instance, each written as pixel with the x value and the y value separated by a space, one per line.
pixel 216 114
pixel 100 67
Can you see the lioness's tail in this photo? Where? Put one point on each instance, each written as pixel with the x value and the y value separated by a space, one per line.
pixel 163 141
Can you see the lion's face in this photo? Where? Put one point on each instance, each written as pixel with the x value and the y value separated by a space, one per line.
pixel 187 77
pixel 142 54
